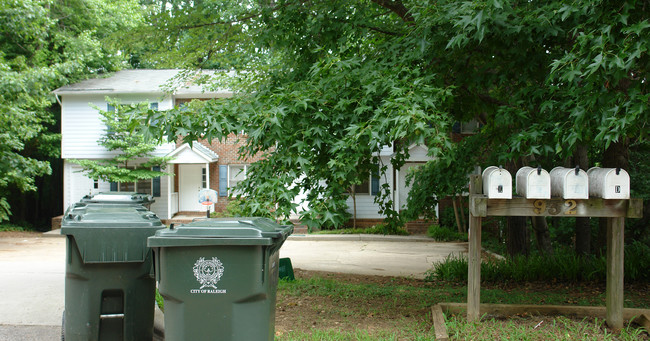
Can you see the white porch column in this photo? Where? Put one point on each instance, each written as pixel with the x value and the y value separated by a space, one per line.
pixel 207 175
pixel 170 185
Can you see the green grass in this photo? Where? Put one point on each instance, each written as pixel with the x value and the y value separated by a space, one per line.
pixel 428 294
pixel 358 335
pixel 160 301
pixel 393 300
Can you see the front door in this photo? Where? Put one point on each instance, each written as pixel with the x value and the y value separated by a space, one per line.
pixel 403 187
pixel 190 182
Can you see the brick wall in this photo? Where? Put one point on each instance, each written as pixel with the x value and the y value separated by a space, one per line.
pixel 228 152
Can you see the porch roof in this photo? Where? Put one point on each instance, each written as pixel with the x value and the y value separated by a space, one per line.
pixel 196 153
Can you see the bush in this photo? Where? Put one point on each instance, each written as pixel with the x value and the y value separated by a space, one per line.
pixel 13 227
pixel 448 218
pixel 445 234
pixel 376 229
pixel 233 209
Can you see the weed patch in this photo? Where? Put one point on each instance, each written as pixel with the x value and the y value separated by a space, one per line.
pixel 564 266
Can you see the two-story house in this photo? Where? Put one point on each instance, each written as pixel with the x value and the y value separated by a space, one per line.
pixel 202 165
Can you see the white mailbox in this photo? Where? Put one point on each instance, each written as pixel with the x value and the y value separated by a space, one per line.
pixel 569 183
pixel 609 183
pixel 497 183
pixel 533 183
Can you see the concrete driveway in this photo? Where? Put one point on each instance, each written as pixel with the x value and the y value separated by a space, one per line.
pixel 32 271
pixel 398 256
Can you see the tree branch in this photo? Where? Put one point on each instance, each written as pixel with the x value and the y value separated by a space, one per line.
pixel 372 28
pixel 397 7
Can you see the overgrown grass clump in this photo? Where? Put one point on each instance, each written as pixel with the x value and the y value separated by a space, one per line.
pixel 563 266
pixel 445 234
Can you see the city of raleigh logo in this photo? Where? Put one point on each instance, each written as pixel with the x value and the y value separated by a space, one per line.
pixel 208 273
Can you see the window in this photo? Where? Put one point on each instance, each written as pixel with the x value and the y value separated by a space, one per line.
pixel 203 178
pixel 368 187
pixel 363 188
pixel 95 184
pixel 470 127
pixel 236 173
pixel 230 176
pixel 152 105
pixel 111 108
pixel 146 186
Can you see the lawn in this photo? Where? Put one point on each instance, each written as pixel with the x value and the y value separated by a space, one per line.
pixel 327 306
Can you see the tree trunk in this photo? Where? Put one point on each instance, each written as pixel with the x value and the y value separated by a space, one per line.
pixel 518 242
pixel 617 155
pixel 354 210
pixel 458 225
pixel 582 225
pixel 542 235
pixel 463 221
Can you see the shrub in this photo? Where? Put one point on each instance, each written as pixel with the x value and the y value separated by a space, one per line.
pixel 376 229
pixel 12 227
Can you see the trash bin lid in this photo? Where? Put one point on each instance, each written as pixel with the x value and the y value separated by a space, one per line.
pixel 109 216
pixel 110 234
pixel 119 198
pixel 222 231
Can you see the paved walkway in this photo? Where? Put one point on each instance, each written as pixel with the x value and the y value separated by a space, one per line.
pixel 32 271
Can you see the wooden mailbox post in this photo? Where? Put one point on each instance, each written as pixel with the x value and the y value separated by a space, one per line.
pixel 614 210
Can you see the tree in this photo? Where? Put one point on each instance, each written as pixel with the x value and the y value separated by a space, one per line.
pixel 134 160
pixel 329 82
pixel 45 44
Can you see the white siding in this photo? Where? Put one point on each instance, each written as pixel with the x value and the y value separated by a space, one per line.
pixel 366 206
pixel 418 154
pixel 76 185
pixel 81 125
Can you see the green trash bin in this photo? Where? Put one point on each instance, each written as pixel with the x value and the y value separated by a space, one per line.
pixel 218 278
pixel 109 284
pixel 119 198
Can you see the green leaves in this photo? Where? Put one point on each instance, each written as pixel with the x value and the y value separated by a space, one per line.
pixel 332 82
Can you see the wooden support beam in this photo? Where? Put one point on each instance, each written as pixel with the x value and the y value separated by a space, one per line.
pixel 474 269
pixel 481 206
pixel 551 310
pixel 615 273
pixel 439 323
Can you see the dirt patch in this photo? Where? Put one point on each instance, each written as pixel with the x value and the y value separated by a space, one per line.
pixel 303 313
pixel 20 234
